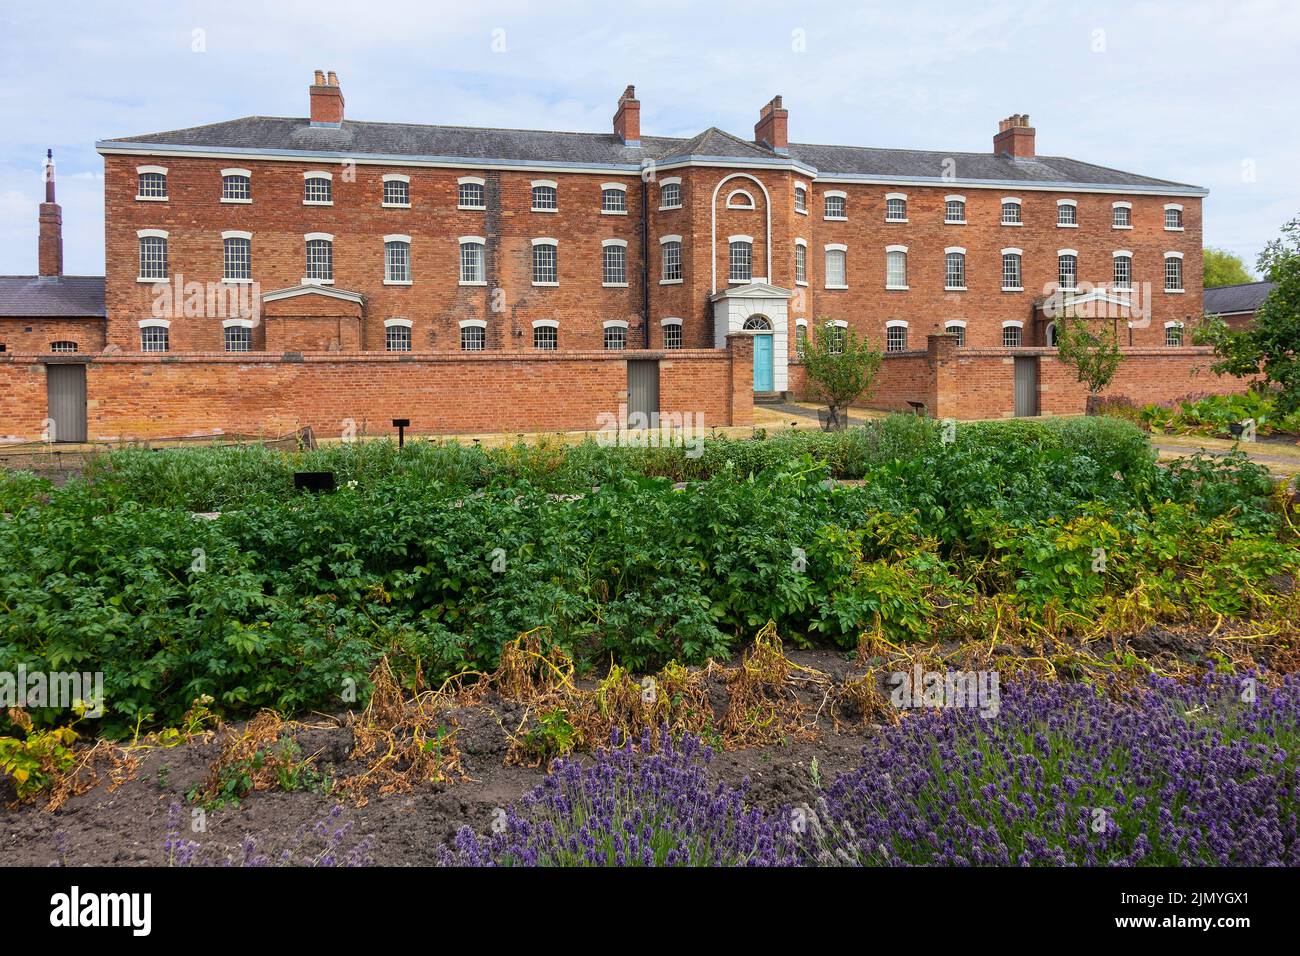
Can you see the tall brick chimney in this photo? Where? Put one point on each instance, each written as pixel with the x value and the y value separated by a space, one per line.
pixel 326 100
pixel 49 256
pixel 627 120
pixel 1015 137
pixel 772 128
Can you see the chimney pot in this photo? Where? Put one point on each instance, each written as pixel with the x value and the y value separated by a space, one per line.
pixel 772 128
pixel 326 100
pixel 627 118
pixel 1015 137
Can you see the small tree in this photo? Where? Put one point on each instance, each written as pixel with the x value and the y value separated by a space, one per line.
pixel 841 368
pixel 1270 345
pixel 1095 356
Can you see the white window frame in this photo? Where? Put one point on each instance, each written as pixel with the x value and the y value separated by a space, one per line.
pixel 1019 326
pixel 800 336
pixel 546 324
pixel 954 251
pixel 153 234
pixel 395 178
pixel 236 234
pixel 894 250
pixel 157 170
pixel 1181 335
pixel 1020 211
pixel 406 324
pixel 532 266
pixel 896 324
pixel 1067 204
pixel 480 324
pixel 731 241
pixel 888 197
pixel 237 171
pixel 732 204
pixel 839 329
pixel 163 324
pixel 1020 268
pixel 843 250
pixel 951 324
pixel 1182 275
pixel 835 194
pixel 664 242
pixel 1121 204
pixel 543 184
pixel 613 187
pixel 1115 257
pixel 404 240
pixel 1181 227
pixel 473 181
pixel 317 174
pixel 798 186
pixel 613 324
pixel 801 244
pixel 668 323
pixel 615 244
pixel 954 222
pixel 1075 254
pixel 313 237
pixel 670 181
pixel 479 241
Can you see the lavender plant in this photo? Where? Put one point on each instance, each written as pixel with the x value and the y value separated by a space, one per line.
pixel 1185 775
pixel 1179 774
pixel 324 844
pixel 630 807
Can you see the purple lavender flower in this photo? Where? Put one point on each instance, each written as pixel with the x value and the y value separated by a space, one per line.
pixel 1184 775
pixel 630 807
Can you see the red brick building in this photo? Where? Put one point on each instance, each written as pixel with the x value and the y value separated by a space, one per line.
pixel 326 234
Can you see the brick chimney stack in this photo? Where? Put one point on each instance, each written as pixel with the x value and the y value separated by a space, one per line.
pixel 1015 137
pixel 627 120
pixel 326 100
pixel 50 248
pixel 772 129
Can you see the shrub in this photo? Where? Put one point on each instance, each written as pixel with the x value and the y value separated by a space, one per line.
pixel 1184 775
pixel 629 807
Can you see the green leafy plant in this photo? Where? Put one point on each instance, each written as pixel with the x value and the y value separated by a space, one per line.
pixel 840 367
pixel 1093 353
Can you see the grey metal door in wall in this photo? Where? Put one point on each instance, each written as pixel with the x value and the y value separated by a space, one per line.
pixel 1026 386
pixel 66 391
pixel 642 390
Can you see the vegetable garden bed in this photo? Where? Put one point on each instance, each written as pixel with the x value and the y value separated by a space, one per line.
pixel 1055 551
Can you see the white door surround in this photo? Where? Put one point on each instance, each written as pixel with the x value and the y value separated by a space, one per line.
pixel 732 306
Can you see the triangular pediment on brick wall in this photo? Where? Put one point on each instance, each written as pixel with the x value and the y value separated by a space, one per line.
pixel 326 291
pixel 751 290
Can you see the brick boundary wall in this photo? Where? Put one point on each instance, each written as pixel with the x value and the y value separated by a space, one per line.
pixel 973 383
pixel 140 396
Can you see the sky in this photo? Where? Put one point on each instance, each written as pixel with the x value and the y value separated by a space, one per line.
pixel 1193 91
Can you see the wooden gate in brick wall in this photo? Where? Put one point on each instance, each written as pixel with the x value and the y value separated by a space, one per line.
pixel 643 388
pixel 1026 386
pixel 65 387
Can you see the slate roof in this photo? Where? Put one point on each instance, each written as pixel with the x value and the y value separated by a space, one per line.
pixel 988 167
pixel 1246 297
pixel 286 135
pixel 44 297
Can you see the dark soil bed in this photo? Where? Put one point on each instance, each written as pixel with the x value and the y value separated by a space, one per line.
pixel 127 826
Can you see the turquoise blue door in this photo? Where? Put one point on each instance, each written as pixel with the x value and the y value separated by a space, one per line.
pixel 763 363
